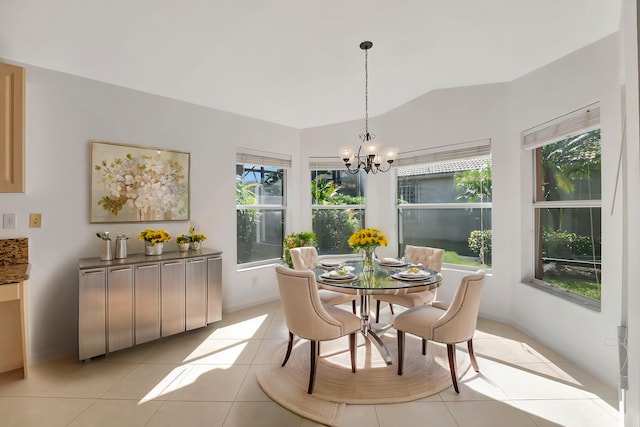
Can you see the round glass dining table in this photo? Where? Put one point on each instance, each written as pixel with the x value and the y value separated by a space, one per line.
pixel 384 279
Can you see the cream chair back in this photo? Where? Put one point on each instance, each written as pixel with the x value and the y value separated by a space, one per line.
pixel 304 258
pixel 458 323
pixel 430 258
pixel 304 313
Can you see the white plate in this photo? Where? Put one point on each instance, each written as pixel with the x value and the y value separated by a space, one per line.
pixel 330 263
pixel 391 262
pixel 419 275
pixel 413 278
pixel 333 275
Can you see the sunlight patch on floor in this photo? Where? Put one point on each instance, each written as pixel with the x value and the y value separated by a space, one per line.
pixel 245 328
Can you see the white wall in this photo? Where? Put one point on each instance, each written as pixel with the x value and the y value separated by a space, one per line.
pixel 631 225
pixel 588 338
pixel 63 113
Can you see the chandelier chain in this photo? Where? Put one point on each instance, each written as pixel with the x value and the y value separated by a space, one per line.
pixel 366 94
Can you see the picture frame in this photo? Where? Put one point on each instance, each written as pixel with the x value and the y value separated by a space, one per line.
pixel 131 183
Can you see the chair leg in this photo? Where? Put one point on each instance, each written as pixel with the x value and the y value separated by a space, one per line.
pixel 289 347
pixel 352 350
pixel 353 306
pixel 424 347
pixel 472 356
pixel 378 310
pixel 451 352
pixel 314 364
pixel 318 348
pixel 400 335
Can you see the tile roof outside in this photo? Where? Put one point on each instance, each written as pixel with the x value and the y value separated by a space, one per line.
pixel 444 167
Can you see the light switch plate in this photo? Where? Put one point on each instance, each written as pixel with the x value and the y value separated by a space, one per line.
pixel 9 220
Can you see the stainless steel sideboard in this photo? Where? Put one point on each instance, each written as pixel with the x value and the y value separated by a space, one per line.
pixel 126 302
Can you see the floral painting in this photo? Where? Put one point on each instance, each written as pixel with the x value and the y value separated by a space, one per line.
pixel 138 184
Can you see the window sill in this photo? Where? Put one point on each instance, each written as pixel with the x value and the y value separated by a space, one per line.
pixel 466 268
pixel 580 300
pixel 257 265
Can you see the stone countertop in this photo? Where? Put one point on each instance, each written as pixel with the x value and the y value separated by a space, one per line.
pixel 14 273
pixel 14 251
pixel 138 258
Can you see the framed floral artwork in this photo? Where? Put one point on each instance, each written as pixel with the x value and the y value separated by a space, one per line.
pixel 130 183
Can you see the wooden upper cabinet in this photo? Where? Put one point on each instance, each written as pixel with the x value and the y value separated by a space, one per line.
pixel 11 129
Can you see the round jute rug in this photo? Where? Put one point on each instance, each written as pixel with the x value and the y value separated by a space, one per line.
pixel 374 382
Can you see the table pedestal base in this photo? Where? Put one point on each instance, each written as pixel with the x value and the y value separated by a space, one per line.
pixel 369 332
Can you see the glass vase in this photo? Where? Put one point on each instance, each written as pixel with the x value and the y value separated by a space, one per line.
pixel 183 247
pixel 195 246
pixel 151 249
pixel 367 258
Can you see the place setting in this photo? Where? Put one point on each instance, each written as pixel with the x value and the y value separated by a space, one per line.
pixel 392 262
pixel 342 274
pixel 412 274
pixel 330 263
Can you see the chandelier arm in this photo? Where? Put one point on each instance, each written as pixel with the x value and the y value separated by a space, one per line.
pixel 385 170
pixel 353 171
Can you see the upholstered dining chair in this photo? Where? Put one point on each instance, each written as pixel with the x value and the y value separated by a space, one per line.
pixel 430 258
pixel 307 317
pixel 306 258
pixel 448 325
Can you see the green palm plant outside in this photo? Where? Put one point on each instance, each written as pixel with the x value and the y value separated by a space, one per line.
pixel 322 190
pixel 565 162
pixel 247 219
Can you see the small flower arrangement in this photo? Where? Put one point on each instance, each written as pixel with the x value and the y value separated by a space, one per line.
pixel 297 240
pixel 196 237
pixel 367 238
pixel 154 236
pixel 183 238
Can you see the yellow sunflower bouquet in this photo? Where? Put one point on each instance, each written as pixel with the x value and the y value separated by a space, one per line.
pixel 367 238
pixel 154 236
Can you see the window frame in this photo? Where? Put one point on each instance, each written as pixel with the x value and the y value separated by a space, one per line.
pixel 575 123
pixel 246 157
pixel 461 151
pixel 329 165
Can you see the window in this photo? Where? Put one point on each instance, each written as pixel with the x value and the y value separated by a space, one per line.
pixel 337 206
pixel 444 201
pixel 567 206
pixel 260 207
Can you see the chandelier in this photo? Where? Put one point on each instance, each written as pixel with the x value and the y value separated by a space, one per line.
pixel 370 156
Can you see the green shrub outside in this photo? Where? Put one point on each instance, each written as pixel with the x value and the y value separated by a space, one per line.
pixel 334 227
pixel 565 245
pixel 297 240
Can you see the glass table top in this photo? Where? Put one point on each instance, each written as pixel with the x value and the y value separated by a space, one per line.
pixel 348 274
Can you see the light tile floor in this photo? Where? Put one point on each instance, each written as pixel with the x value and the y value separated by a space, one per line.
pixel 207 377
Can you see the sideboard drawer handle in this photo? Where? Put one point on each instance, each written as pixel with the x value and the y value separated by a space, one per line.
pixel 87 273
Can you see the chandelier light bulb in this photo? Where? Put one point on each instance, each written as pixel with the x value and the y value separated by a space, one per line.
pixel 345 153
pixel 390 154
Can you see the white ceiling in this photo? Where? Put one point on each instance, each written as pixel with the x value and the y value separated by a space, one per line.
pixel 297 62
